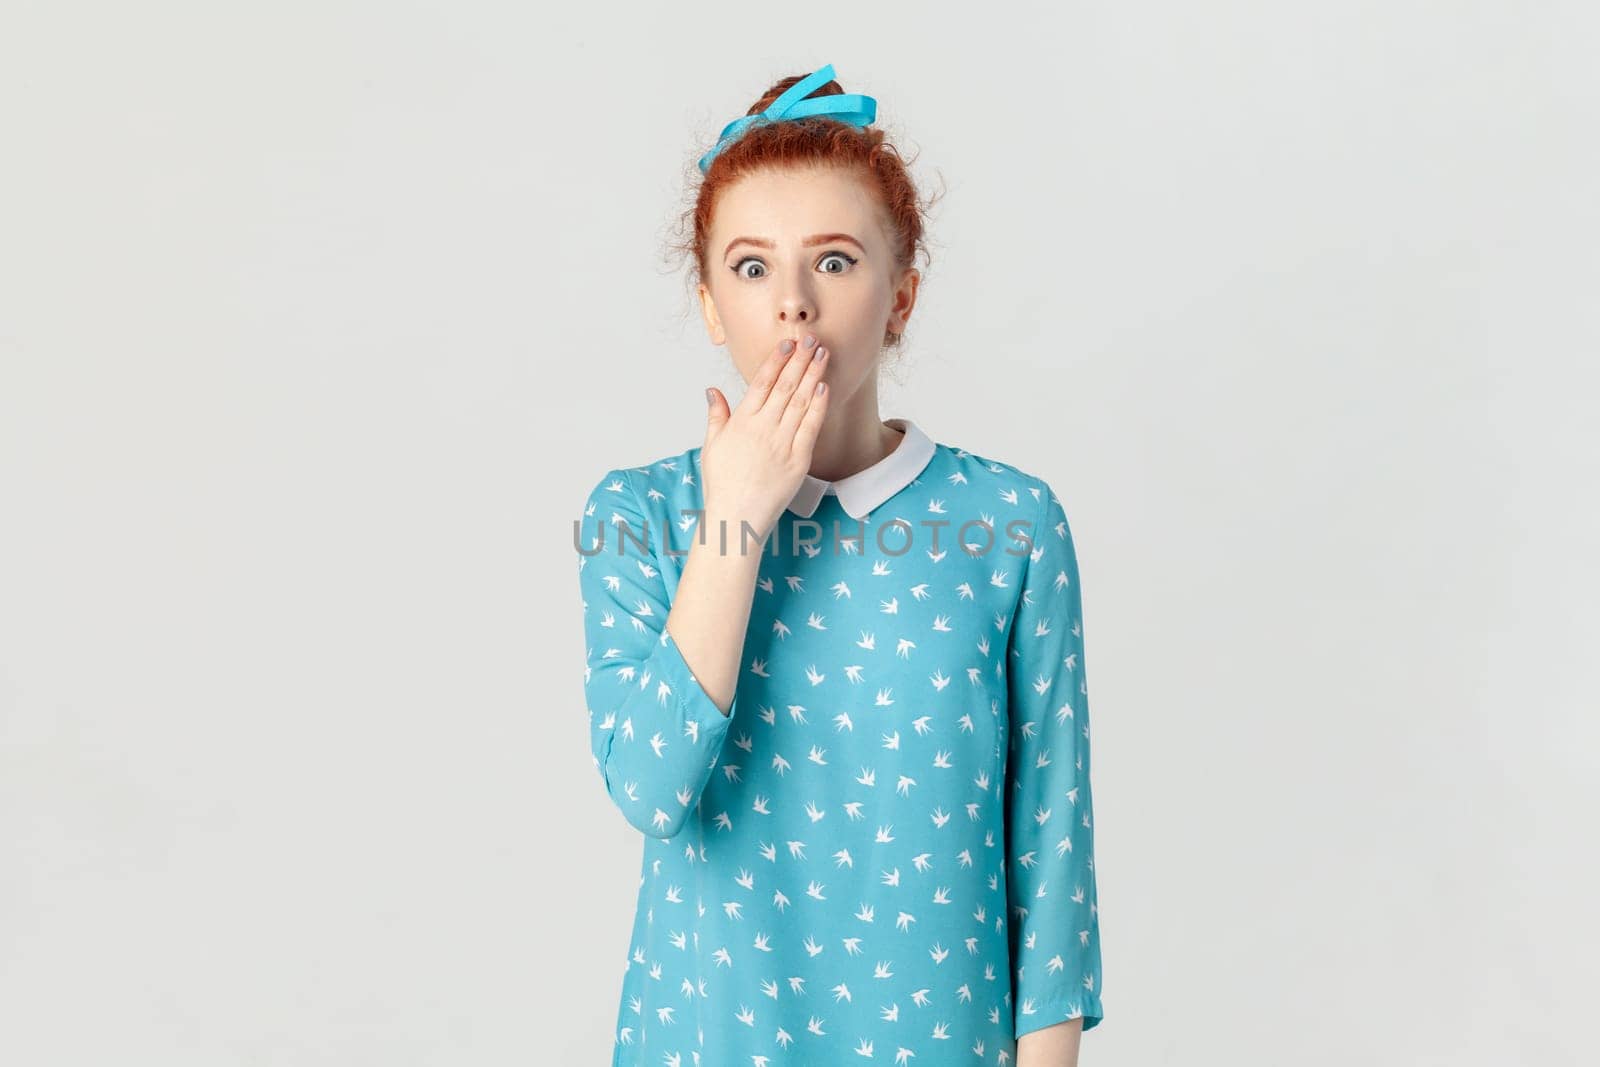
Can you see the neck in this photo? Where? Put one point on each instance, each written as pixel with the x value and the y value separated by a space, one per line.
pixel 853 436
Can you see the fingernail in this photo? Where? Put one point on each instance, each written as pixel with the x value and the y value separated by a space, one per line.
pixel 787 346
pixel 710 397
pixel 819 353
pixel 810 340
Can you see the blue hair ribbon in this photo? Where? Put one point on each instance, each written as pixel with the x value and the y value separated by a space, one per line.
pixel 853 109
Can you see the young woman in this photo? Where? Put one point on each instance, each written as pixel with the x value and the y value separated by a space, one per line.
pixel 835 668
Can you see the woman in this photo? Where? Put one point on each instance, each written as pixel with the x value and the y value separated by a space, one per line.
pixel 835 668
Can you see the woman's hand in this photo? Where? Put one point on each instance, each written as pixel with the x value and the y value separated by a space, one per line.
pixel 756 456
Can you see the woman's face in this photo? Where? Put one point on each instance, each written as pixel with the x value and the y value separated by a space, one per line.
pixel 793 252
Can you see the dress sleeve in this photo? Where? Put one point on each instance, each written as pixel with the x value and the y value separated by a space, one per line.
pixel 654 733
pixel 1050 878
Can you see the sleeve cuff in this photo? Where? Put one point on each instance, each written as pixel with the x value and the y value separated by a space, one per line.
pixel 1084 1005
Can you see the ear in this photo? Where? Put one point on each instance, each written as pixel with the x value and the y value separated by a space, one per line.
pixel 905 298
pixel 708 312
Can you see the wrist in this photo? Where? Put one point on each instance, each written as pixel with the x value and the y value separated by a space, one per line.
pixel 727 532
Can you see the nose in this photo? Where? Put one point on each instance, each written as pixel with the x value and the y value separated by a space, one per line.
pixel 796 308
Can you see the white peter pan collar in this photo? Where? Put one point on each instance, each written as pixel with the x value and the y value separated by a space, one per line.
pixel 864 490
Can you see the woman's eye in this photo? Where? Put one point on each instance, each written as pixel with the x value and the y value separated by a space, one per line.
pixel 738 268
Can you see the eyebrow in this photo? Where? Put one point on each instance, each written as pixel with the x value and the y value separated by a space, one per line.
pixel 809 242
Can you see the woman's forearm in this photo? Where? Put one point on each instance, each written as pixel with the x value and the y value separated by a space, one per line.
pixel 1053 1046
pixel 711 608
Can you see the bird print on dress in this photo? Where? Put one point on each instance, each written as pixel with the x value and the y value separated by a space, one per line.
pixel 884 852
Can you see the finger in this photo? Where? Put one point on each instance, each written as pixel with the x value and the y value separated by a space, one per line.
pixel 755 393
pixel 805 435
pixel 789 380
pixel 716 412
pixel 805 392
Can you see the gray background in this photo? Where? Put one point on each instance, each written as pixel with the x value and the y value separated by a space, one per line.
pixel 318 321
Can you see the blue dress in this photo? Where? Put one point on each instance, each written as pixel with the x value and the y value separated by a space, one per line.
pixel 885 849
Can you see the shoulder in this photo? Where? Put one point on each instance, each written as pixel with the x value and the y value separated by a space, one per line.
pixel 989 477
pixel 661 484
